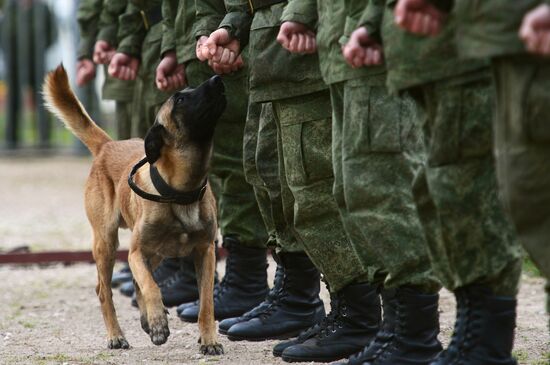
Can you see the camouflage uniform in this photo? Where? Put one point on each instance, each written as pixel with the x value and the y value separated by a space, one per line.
pixel 372 137
pixel 142 41
pixel 522 137
pixel 469 239
pixel 98 20
pixel 237 207
pixel 302 113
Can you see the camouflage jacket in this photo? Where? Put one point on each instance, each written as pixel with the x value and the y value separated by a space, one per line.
pixel 274 72
pixel 336 20
pixel 413 60
pixel 490 28
pixel 143 41
pixel 87 16
pixel 108 20
pixel 92 22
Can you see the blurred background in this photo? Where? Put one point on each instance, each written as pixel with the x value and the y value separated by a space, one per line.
pixel 35 36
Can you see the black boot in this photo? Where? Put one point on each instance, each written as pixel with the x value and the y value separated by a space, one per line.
pixel 296 308
pixel 243 286
pixel 121 276
pixel 484 329
pixel 176 280
pixel 352 324
pixel 408 335
pixel 181 286
pixel 127 289
pixel 272 295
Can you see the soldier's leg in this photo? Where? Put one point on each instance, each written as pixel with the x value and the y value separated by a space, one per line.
pixel 123 115
pixel 293 304
pixel 378 141
pixel 372 135
pixel 244 285
pixel 522 150
pixel 474 252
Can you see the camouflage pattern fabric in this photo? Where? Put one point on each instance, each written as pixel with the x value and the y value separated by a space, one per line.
pixel 522 149
pixel 304 143
pixel 469 238
pixel 374 142
pixel 261 161
pixel 490 28
pixel 275 73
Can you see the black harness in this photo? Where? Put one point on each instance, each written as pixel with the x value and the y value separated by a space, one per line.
pixel 167 193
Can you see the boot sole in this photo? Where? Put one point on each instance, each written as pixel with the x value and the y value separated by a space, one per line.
pixel 312 359
pixel 284 336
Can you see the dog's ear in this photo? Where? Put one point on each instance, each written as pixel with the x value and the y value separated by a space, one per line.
pixel 154 141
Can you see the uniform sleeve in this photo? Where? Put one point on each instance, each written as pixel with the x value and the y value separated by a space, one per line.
pixel 88 19
pixel 238 20
pixel 108 20
pixel 210 14
pixel 131 31
pixel 169 10
pixel 371 17
pixel 301 11
pixel 447 5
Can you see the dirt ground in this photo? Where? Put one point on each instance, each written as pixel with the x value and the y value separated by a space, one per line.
pixel 50 314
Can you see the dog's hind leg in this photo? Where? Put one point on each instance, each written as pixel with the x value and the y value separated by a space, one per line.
pixel 104 251
pixel 151 301
pixel 205 267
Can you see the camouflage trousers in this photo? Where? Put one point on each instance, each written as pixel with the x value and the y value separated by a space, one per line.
pixel 469 238
pixel 304 139
pixel 522 149
pixel 261 167
pixel 123 116
pixel 372 136
pixel 145 108
pixel 238 213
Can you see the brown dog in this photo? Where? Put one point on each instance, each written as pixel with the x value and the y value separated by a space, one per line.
pixel 178 222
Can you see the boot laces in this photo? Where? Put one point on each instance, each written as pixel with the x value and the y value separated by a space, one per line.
pixel 334 320
pixel 227 279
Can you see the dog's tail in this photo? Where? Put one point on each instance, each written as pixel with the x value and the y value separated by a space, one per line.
pixel 61 101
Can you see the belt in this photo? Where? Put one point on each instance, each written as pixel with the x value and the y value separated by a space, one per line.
pixel 260 4
pixel 151 17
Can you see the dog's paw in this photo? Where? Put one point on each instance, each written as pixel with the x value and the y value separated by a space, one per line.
pixel 214 349
pixel 118 343
pixel 159 331
pixel 144 324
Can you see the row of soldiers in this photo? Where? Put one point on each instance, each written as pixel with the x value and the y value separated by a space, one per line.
pixel 358 151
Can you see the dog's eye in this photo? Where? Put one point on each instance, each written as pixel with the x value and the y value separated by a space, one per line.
pixel 180 99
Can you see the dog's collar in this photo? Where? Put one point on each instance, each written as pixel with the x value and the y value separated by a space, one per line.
pixel 167 193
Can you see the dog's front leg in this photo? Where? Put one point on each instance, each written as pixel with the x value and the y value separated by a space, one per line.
pixel 150 293
pixel 104 247
pixel 205 264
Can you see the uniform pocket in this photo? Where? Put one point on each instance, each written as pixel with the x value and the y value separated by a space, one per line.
pixel 461 126
pixel 307 151
pixel 537 105
pixel 372 118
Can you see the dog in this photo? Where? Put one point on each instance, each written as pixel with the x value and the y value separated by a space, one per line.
pixel 169 206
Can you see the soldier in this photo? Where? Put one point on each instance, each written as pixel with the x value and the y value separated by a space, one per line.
pixel 27 31
pixel 515 35
pixel 296 99
pixel 244 284
pixel 373 137
pixel 473 250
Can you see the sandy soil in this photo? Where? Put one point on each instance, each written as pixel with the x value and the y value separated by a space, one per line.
pixel 50 315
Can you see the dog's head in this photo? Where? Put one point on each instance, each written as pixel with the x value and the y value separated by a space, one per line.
pixel 186 121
